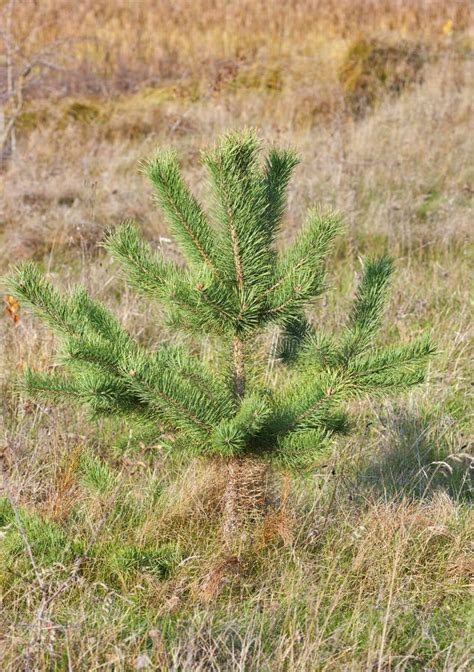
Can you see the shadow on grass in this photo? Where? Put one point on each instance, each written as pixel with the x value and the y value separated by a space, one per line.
pixel 415 456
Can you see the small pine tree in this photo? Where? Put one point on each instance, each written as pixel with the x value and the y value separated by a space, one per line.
pixel 235 285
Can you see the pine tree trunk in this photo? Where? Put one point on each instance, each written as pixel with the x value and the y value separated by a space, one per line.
pixel 245 498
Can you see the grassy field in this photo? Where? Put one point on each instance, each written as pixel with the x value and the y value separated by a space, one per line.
pixel 109 550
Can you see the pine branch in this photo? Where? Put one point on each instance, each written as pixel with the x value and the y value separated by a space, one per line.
pixel 299 274
pixel 146 270
pixel 239 370
pixel 240 207
pixel 102 394
pixel 234 435
pixel 391 368
pixel 292 339
pixel 198 375
pixel 320 402
pixel 318 350
pixel 299 451
pixel 186 406
pixel 279 167
pixel 203 304
pixel 177 413
pixel 94 352
pixel 367 310
pixel 309 400
pixel 170 380
pixel 99 319
pixel 182 293
pixel 186 219
pixel 31 287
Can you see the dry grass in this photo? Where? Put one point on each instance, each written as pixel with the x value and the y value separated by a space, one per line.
pixel 368 563
pixel 107 47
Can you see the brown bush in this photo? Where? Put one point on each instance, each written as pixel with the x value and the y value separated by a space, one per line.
pixel 373 68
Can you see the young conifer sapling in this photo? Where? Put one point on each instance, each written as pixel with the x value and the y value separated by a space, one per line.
pixel 234 288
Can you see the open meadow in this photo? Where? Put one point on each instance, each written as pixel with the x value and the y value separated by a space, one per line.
pixel 110 552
